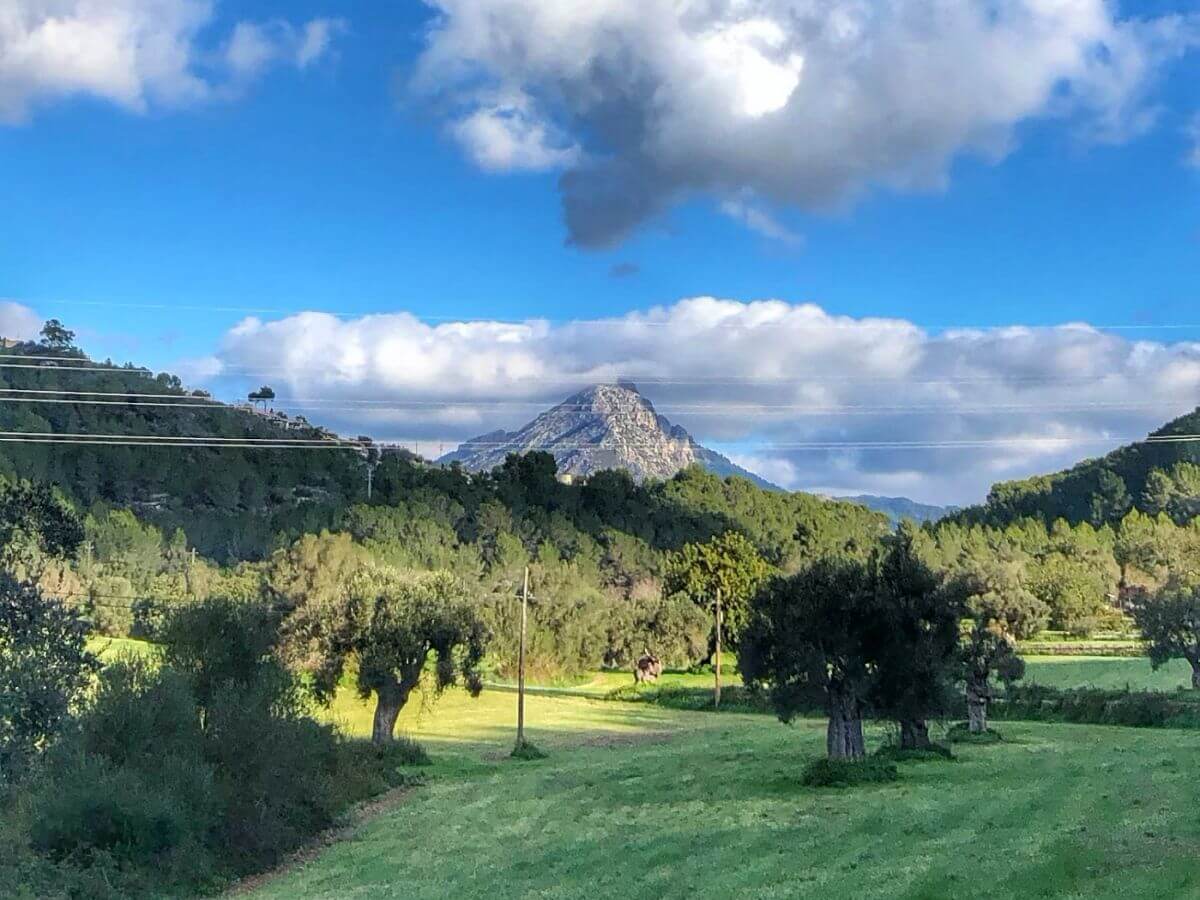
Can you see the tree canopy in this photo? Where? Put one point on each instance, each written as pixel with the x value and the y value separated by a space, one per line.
pixel 391 623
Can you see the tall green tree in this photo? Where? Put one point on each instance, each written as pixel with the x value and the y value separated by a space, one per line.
pixel 56 336
pixel 44 662
pixel 45 668
pixel 35 524
pixel 728 565
pixel 1169 619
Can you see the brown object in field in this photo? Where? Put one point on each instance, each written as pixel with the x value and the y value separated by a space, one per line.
pixel 647 668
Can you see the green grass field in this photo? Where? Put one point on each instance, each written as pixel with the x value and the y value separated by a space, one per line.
pixel 672 804
pixel 669 804
pixel 109 647
pixel 1112 672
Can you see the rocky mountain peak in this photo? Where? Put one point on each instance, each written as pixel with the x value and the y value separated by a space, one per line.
pixel 604 426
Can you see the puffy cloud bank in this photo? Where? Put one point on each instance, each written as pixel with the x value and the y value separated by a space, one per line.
pixel 139 53
pixel 799 102
pixel 776 384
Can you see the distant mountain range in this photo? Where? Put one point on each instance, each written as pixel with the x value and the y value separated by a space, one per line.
pixel 615 426
pixel 900 508
pixel 606 426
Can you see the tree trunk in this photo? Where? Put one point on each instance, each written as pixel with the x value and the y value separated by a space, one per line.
pixel 844 735
pixel 978 694
pixel 390 700
pixel 914 735
pixel 1195 674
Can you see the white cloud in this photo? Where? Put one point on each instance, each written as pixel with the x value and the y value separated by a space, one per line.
pixel 505 137
pixel 802 102
pixel 770 382
pixel 137 53
pixel 1193 134
pixel 18 321
pixel 254 47
pixel 760 221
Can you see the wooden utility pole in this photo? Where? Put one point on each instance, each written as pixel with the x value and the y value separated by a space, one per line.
pixel 717 692
pixel 521 665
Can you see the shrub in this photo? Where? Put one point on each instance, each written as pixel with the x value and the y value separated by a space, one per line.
pixel 189 771
pixel 961 734
pixel 366 770
pixel 1136 709
pixel 826 772
pixel 734 698
pixel 527 752
pixel 96 808
pixel 932 753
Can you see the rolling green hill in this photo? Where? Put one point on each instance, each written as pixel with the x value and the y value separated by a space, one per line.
pixel 1156 475
pixel 230 500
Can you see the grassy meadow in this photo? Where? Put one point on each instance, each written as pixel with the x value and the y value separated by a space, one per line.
pixel 673 804
pixel 1109 672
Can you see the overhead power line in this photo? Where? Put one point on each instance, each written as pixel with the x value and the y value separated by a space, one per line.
pixel 270 444
pixel 588 378
pixel 134 399
pixel 640 319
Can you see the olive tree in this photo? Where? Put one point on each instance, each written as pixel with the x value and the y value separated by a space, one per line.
pixel 813 638
pixel 1000 610
pixel 918 643
pixel 391 623
pixel 1169 619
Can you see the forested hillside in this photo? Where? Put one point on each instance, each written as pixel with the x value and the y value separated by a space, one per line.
pixel 282 478
pixel 231 501
pixel 1158 475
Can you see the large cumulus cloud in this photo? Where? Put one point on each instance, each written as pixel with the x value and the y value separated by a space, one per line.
pixel 804 102
pixel 139 53
pixel 807 398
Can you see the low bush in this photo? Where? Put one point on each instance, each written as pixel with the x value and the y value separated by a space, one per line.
pixel 527 752
pixel 1136 709
pixel 736 699
pixel 189 770
pixel 1129 649
pixel 825 772
pixel 932 753
pixel 366 770
pixel 962 734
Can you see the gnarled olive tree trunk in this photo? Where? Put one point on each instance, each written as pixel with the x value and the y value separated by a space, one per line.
pixel 914 735
pixel 1195 673
pixel 844 735
pixel 390 700
pixel 979 692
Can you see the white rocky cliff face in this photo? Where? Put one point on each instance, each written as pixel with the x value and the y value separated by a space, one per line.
pixel 607 426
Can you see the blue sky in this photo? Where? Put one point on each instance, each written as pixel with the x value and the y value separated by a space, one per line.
pixel 337 184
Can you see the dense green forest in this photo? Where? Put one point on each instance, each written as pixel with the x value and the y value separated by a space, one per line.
pixel 1159 475
pixel 231 501
pixel 167 525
